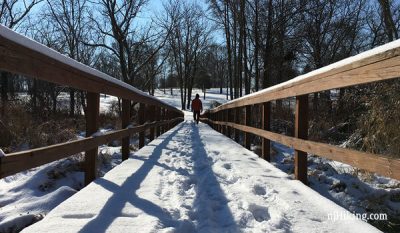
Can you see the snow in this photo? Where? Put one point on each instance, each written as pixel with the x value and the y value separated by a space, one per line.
pixel 31 44
pixel 193 179
pixel 360 193
pixel 212 97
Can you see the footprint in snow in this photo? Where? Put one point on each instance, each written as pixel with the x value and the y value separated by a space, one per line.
pixel 227 166
pixel 259 190
pixel 260 213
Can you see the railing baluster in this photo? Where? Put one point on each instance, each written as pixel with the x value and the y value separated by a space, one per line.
pixel 126 110
pixel 266 125
pixel 301 131
pixel 92 125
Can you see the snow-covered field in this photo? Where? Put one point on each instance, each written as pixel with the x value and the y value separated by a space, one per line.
pixel 212 96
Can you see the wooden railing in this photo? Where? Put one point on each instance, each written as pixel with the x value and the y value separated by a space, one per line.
pixel 381 63
pixel 23 56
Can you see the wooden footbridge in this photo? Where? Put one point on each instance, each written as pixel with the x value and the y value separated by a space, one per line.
pixel 22 56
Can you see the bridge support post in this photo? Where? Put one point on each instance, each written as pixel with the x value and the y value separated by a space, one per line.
pixel 142 109
pixel 266 125
pixel 237 121
pixel 301 131
pixel 126 110
pixel 92 125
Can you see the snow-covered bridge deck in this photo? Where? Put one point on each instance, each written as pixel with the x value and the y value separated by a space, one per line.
pixel 193 179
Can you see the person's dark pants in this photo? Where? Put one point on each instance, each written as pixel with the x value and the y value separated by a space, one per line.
pixel 196 116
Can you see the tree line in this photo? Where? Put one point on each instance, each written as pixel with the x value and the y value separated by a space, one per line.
pixel 241 45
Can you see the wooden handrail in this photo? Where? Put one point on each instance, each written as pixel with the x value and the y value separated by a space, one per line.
pixel 20 161
pixel 20 55
pixel 381 63
pixel 382 165
pixel 378 64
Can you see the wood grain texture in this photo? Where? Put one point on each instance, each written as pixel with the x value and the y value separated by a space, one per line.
pixel 24 160
pixel 92 125
pixel 125 121
pixel 301 131
pixel 379 164
pixel 18 59
pixel 266 125
pixel 378 67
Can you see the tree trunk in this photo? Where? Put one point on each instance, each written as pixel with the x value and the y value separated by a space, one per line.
pixel 390 26
pixel 256 46
pixel 268 47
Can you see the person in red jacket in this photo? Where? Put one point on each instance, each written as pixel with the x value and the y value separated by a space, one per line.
pixel 197 107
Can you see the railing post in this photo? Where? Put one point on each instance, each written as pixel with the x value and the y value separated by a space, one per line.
pixel 161 119
pixel 158 110
pixel 266 125
pixel 301 131
pixel 220 119
pixel 217 119
pixel 228 119
pixel 92 125
pixel 237 121
pixel 212 118
pixel 150 113
pixel 142 108
pixel 126 110
pixel 247 117
pixel 164 112
pixel 223 129
pixel 167 116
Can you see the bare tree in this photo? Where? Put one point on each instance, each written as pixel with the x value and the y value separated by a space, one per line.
pixel 118 32
pixel 189 37
pixel 70 19
pixel 12 13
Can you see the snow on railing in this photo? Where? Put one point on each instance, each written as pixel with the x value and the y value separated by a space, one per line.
pixel 381 63
pixel 21 55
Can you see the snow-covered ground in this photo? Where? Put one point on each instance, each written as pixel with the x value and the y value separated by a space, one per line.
pixel 213 96
pixel 28 196
pixel 193 179
pixel 360 192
